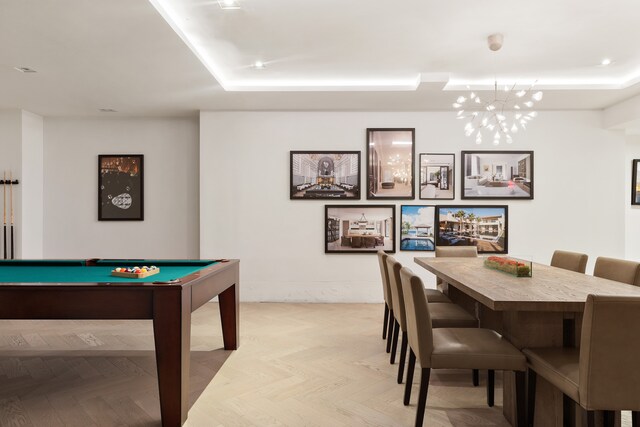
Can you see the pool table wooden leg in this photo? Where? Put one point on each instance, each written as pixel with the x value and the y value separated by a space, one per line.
pixel 172 332
pixel 229 316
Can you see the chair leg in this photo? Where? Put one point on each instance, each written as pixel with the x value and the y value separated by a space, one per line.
pixel 386 321
pixel 531 396
pixel 390 330
pixel 410 366
pixel 394 346
pixel 635 418
pixel 591 419
pixel 422 399
pixel 475 377
pixel 521 411
pixel 403 356
pixel 608 418
pixel 491 379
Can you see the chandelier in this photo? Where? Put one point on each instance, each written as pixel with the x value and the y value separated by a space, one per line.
pixel 505 113
pixel 363 220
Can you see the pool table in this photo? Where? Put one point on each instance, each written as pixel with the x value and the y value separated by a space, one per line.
pixel 84 289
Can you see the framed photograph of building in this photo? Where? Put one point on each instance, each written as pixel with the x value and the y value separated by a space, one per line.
pixel 497 175
pixel 485 227
pixel 437 176
pixel 120 187
pixel 417 228
pixel 359 228
pixel 325 175
pixel 390 154
pixel 635 183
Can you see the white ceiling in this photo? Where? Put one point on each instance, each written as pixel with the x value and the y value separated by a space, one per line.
pixel 321 55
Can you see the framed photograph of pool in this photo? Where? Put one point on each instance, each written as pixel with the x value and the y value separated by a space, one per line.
pixel 359 228
pixel 417 228
pixel 325 175
pixel 437 176
pixel 486 227
pixel 635 183
pixel 497 175
pixel 120 187
pixel 390 170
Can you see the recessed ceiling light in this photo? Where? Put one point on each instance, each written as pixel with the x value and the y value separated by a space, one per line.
pixel 228 4
pixel 605 62
pixel 107 110
pixel 259 65
pixel 25 69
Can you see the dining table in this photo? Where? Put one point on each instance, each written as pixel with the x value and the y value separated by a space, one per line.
pixel 543 310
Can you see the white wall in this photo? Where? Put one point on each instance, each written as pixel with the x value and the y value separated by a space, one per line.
pixel 246 212
pixel 170 226
pixel 632 250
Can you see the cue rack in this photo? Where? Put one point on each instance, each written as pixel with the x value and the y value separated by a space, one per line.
pixel 4 182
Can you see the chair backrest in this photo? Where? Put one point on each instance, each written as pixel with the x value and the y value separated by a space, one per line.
pixel 382 260
pixel 572 261
pixel 419 331
pixel 456 251
pixel 609 348
pixel 395 287
pixel 619 270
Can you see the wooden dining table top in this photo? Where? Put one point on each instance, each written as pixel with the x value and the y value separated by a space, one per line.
pixel 549 288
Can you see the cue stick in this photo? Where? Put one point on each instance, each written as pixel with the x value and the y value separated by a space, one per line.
pixel 4 210
pixel 11 198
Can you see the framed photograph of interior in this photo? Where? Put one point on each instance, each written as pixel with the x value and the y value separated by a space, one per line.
pixel 120 187
pixel 485 227
pixel 359 228
pixel 417 228
pixel 325 175
pixel 437 176
pixel 497 175
pixel 635 183
pixel 390 154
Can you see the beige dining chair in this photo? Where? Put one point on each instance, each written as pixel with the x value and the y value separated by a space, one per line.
pixel 603 374
pixel 619 270
pixel 388 303
pixel 443 315
pixel 572 261
pixel 453 348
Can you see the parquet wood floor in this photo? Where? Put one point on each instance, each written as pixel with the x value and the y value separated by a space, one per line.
pixel 297 365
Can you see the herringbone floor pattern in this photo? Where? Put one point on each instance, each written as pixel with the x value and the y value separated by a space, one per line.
pixel 298 365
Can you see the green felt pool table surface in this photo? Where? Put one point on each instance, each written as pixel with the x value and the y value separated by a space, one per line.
pixel 97 271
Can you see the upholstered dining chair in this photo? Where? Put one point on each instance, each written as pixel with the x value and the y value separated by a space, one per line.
pixel 603 374
pixel 453 348
pixel 388 306
pixel 443 315
pixel 572 261
pixel 619 270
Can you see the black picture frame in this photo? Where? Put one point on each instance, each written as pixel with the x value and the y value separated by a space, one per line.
pixel 490 236
pixel 349 230
pixel 507 177
pixel 635 182
pixel 383 182
pixel 329 185
pixel 444 187
pixel 120 187
pixel 417 228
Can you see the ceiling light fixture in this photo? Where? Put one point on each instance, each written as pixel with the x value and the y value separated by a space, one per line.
pixel 509 111
pixel 25 69
pixel 259 65
pixel 107 110
pixel 228 4
pixel 605 62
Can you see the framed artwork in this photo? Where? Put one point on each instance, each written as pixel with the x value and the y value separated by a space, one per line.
pixel 390 154
pixel 120 187
pixel 417 228
pixel 485 227
pixel 497 175
pixel 437 176
pixel 635 183
pixel 325 175
pixel 359 228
